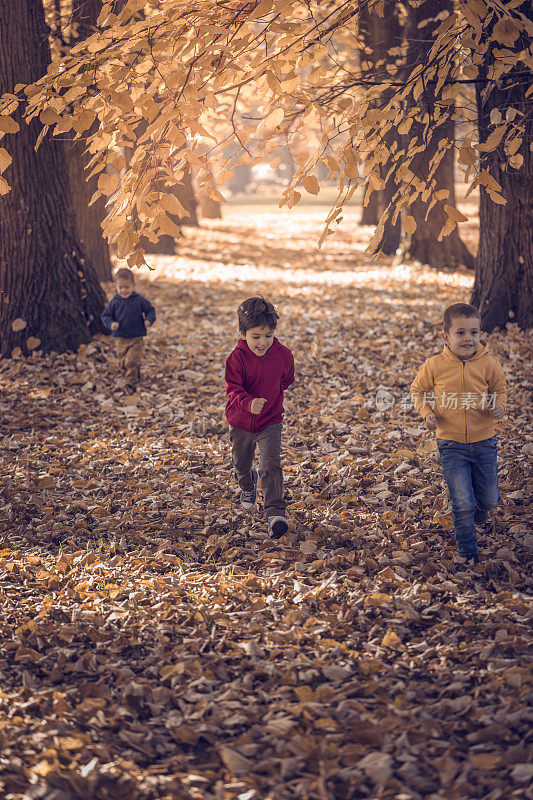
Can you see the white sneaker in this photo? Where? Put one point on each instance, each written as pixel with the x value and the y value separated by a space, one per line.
pixel 249 499
pixel 277 526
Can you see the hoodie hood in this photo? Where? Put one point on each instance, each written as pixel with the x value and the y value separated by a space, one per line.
pixel 482 350
pixel 275 347
pixel 125 299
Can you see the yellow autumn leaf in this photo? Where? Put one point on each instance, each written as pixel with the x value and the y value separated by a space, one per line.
pixel 512 146
pixel 486 761
pixel 172 671
pixel 18 324
pixel 136 259
pixel 234 761
pixel 71 743
pixel 42 769
pixel 5 159
pixel 404 453
pixel 391 640
pixel 376 599
pixel 454 213
pixel 8 125
pixel 311 184
pixel 493 140
pixel 108 184
pixel 170 203
pixel 505 32
pixel 274 119
pixel 447 228
pixel 49 117
pixel 294 197
pixel 409 224
pixel 167 226
pixel 517 161
pixel 264 7
pixel 496 198
pixel 33 342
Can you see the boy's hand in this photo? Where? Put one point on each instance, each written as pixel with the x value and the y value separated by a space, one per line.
pixel 115 326
pixel 497 412
pixel 431 421
pixel 147 323
pixel 257 405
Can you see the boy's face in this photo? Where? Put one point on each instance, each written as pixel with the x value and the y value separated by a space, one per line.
pixel 124 287
pixel 258 339
pixel 463 336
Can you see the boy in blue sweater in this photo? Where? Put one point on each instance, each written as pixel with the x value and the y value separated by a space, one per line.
pixel 127 316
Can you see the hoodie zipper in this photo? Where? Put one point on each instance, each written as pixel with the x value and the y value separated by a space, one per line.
pixel 463 383
pixel 252 421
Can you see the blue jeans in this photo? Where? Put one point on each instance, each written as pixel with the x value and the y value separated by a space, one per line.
pixel 471 473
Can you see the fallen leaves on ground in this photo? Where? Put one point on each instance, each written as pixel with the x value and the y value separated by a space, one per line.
pixel 154 643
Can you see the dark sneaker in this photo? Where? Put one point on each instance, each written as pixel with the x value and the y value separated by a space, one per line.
pixel 467 561
pixel 480 516
pixel 277 526
pixel 249 499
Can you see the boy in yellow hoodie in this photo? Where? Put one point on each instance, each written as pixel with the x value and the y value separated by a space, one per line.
pixel 460 393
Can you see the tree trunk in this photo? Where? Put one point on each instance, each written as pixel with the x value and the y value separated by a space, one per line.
pixel 46 279
pixel 380 34
pixel 371 213
pixel 209 208
pixel 424 245
pixel 88 218
pixel 503 287
pixel 185 194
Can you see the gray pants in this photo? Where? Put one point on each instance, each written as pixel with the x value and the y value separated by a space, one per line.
pixel 243 449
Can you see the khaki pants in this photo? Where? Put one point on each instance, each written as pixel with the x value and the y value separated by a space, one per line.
pixel 129 354
pixel 269 442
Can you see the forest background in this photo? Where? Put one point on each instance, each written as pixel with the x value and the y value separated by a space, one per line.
pixel 155 643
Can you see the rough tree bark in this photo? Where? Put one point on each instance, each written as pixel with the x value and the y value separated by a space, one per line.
pixel 380 34
pixel 424 245
pixel 88 218
pixel 503 287
pixel 45 277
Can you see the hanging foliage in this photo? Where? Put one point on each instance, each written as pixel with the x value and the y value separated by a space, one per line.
pixel 258 74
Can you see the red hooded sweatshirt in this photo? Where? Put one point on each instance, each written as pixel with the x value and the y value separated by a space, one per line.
pixel 249 376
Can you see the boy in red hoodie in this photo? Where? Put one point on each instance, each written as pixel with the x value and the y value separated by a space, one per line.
pixel 258 371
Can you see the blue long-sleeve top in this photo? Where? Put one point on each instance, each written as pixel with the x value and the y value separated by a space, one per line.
pixel 130 313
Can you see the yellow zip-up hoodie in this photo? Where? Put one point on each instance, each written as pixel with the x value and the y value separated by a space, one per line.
pixel 461 393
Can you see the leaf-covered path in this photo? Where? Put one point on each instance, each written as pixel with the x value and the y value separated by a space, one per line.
pixel 155 644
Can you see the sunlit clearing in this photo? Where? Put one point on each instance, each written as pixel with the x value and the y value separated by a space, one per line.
pixel 280 247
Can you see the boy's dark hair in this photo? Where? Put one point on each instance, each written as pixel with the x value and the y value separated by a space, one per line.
pixel 256 312
pixel 458 310
pixel 125 274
